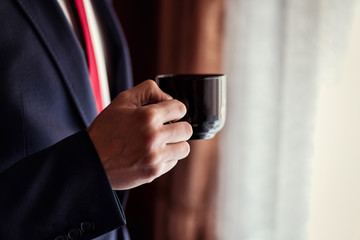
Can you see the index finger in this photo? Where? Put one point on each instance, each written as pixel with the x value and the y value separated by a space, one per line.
pixel 169 111
pixel 147 92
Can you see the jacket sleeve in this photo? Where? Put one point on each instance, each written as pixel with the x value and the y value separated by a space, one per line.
pixel 60 191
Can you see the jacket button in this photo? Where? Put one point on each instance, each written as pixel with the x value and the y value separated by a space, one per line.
pixel 61 237
pixel 74 234
pixel 87 227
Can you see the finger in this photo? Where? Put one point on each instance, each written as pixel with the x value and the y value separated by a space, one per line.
pixel 149 92
pixel 176 151
pixel 167 111
pixel 177 132
pixel 167 166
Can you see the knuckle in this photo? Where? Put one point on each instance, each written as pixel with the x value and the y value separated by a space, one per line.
pixel 150 83
pixel 151 158
pixel 150 139
pixel 151 173
pixel 149 180
pixel 149 115
pixel 123 96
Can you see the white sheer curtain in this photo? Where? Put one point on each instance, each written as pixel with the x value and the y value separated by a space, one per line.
pixel 285 61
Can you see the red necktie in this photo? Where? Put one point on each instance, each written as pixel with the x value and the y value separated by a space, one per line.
pixel 93 71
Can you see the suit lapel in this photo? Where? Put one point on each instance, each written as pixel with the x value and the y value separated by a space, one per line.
pixel 58 37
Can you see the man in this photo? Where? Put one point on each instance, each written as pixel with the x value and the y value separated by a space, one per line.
pixel 60 161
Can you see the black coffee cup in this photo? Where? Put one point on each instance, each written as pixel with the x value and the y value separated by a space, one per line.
pixel 204 96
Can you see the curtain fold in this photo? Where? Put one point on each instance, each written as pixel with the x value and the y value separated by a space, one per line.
pixel 289 150
pixel 270 59
pixel 190 41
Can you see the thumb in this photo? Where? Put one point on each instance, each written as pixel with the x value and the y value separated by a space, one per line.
pixel 147 92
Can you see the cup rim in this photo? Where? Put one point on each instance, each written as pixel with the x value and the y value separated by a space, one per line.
pixel 189 76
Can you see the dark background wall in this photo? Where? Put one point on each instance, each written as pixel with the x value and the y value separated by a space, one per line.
pixel 139 21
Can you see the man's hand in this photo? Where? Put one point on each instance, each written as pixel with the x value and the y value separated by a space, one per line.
pixel 132 141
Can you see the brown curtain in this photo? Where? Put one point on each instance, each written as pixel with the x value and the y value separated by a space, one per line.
pixel 176 37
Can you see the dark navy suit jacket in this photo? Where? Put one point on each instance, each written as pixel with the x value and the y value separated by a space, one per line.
pixel 52 183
